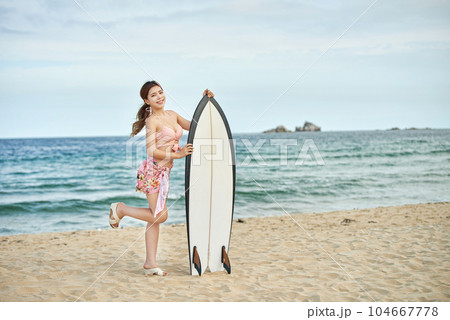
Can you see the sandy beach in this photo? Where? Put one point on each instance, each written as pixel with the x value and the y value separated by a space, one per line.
pixel 399 253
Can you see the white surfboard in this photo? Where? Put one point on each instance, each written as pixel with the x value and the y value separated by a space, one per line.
pixel 209 188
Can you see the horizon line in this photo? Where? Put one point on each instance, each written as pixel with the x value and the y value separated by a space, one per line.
pixel 350 130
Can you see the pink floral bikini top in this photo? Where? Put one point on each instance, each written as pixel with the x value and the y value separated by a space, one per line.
pixel 167 135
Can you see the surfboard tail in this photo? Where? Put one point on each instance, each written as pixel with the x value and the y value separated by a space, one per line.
pixel 226 260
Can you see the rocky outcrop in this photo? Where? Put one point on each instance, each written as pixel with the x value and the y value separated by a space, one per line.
pixel 308 126
pixel 278 129
pixel 412 128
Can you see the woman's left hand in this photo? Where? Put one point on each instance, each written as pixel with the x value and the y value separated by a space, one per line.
pixel 209 93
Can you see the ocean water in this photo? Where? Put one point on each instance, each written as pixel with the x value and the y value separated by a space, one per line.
pixel 62 184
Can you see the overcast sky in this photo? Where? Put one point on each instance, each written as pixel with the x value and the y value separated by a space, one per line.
pixel 62 75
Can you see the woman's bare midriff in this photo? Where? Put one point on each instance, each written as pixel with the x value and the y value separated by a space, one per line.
pixel 165 162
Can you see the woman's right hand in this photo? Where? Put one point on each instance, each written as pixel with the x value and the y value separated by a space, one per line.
pixel 186 150
pixel 209 93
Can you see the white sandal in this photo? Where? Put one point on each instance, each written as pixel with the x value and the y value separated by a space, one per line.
pixel 153 272
pixel 115 218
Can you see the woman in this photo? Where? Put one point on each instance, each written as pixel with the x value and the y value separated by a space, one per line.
pixel 163 130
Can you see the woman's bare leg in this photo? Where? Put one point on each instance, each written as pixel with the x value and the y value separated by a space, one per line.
pixel 151 244
pixel 152 229
pixel 152 234
pixel 144 214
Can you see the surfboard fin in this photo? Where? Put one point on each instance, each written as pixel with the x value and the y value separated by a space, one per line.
pixel 196 261
pixel 225 260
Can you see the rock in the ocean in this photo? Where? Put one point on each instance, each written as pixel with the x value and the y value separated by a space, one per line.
pixel 278 129
pixel 308 126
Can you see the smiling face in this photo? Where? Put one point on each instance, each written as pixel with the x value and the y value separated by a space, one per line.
pixel 156 98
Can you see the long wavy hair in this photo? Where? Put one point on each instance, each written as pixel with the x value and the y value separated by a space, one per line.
pixel 143 113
